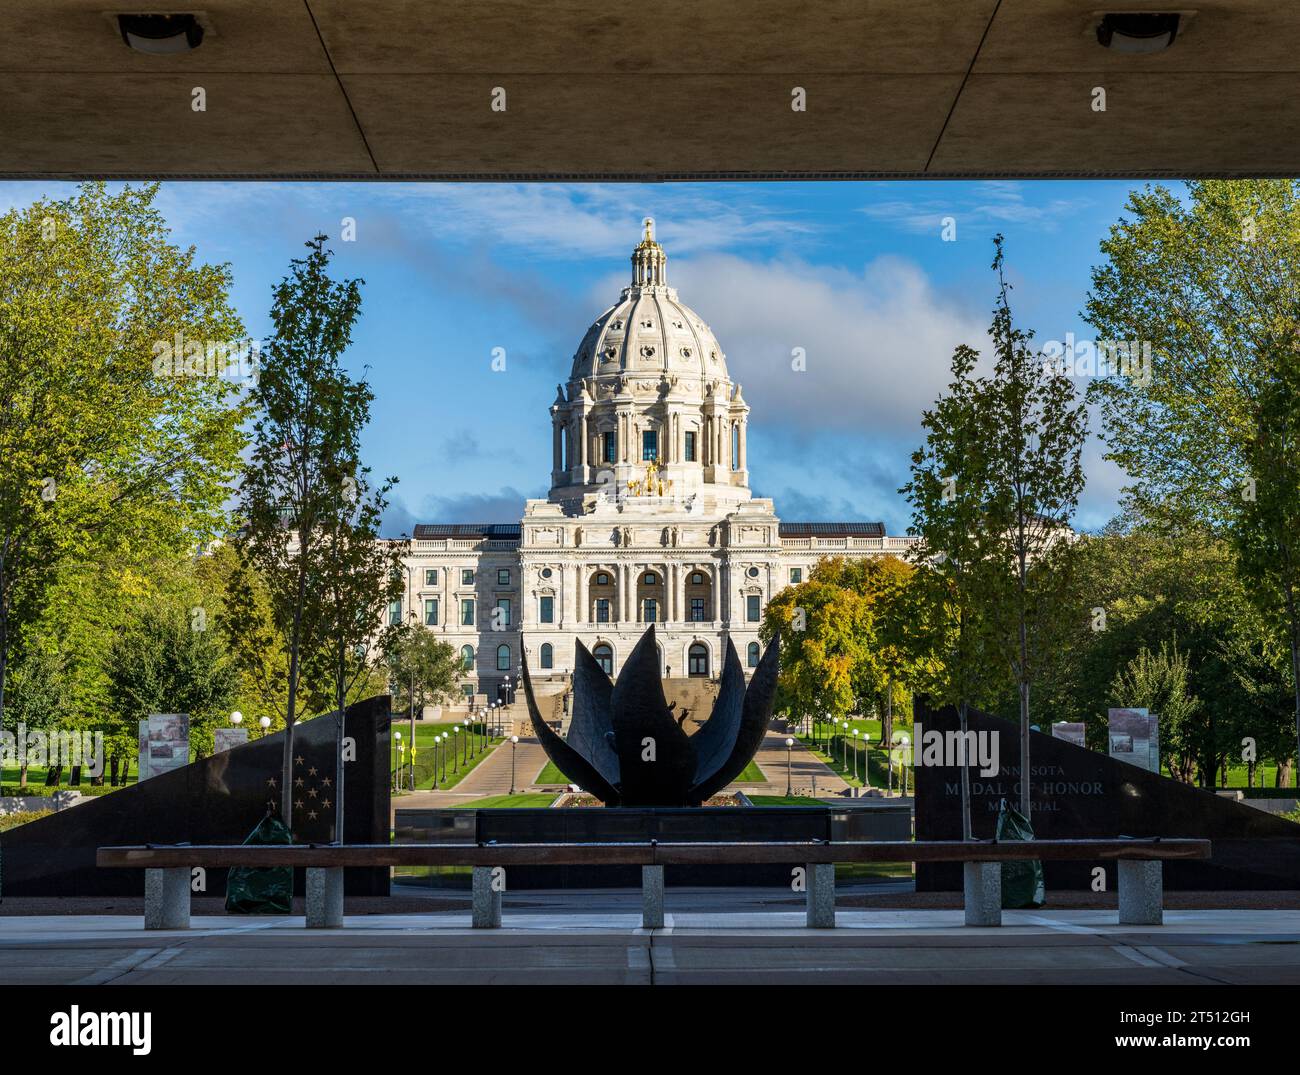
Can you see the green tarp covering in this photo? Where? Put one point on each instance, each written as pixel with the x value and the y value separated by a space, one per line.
pixel 1022 882
pixel 262 891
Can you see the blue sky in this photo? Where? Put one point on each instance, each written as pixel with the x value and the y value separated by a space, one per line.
pixel 857 274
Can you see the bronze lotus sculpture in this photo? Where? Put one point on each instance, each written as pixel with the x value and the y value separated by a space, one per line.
pixel 627 748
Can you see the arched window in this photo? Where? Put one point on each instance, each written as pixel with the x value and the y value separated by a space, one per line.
pixel 503 658
pixel 605 658
pixel 753 655
pixel 547 655
pixel 698 659
pixel 467 658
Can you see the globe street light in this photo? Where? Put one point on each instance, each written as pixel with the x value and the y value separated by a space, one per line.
pixel 788 744
pixel 264 723
pixel 902 761
pixel 397 738
pixel 236 717
pixel 514 742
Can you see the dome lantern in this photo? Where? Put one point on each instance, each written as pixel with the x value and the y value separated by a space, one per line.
pixel 649 262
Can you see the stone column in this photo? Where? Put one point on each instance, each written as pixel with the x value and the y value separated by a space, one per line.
pixel 744 426
pixel 582 438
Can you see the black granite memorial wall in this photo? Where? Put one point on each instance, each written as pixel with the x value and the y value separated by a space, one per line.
pixel 218 800
pixel 1076 793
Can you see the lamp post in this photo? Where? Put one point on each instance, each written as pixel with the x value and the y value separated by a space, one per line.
pixel 397 737
pixel 902 762
pixel 455 748
pixel 514 742
pixel 844 744
pixel 436 740
pixel 788 790
pixel 236 717
pixel 264 723
pixel 856 734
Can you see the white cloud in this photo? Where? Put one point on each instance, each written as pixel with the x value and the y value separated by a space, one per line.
pixel 978 206
pixel 878 343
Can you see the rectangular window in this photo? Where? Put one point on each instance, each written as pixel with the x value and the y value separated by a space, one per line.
pixel 651 609
pixel 466 576
pixel 503 576
pixel 690 446
pixel 697 609
pixel 649 445
pixel 467 612
pixel 796 574
pixel 751 608
pixel 546 610
pixel 503 603
pixel 468 688
pixel 609 447
pixel 602 610
pixel 431 576
pixel 431 611
pixel 394 613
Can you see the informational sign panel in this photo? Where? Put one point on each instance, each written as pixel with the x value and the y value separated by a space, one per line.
pixel 1135 738
pixel 1071 732
pixel 142 764
pixel 169 742
pixel 228 738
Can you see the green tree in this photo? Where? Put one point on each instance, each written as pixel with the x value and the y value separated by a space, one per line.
pixel 1160 682
pixel 38 694
pixel 416 656
pixel 296 541
pixel 109 451
pixel 164 660
pixel 948 492
pixel 1034 428
pixel 1209 285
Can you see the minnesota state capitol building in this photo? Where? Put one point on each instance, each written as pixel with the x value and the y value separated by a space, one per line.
pixel 649 518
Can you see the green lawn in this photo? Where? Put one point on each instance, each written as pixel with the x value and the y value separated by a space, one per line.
pixel 525 798
pixel 551 775
pixel 752 774
pixel 783 800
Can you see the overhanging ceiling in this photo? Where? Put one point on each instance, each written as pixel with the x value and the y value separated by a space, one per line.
pixel 403 89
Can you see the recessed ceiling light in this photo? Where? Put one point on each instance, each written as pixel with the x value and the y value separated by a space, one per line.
pixel 161 35
pixel 1138 31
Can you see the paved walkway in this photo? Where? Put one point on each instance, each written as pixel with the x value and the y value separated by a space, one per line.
pixel 1032 948
pixel 490 777
pixel 807 772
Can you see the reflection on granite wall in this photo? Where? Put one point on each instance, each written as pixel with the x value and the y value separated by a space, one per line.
pixel 1077 793
pixel 218 800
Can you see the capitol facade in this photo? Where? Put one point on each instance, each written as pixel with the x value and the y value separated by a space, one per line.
pixel 649 518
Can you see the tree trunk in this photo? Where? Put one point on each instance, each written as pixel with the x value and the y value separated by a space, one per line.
pixel 22 773
pixel 114 764
pixel 966 832
pixel 53 775
pixel 1282 778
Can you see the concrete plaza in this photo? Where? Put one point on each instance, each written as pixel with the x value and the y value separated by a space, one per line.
pixel 550 942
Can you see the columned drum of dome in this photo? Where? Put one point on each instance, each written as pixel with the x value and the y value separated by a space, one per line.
pixel 649 519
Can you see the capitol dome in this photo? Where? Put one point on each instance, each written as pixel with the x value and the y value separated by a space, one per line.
pixel 649 330
pixel 649 404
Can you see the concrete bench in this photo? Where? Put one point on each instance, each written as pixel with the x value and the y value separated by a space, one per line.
pixel 167 869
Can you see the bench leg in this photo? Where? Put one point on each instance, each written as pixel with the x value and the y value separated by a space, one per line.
pixel 652 897
pixel 982 888
pixel 167 898
pixel 324 897
pixel 1141 893
pixel 820 879
pixel 486 912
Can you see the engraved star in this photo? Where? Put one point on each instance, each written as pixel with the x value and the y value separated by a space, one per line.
pixel 326 782
pixel 311 792
pixel 311 771
pixel 311 816
pixel 325 803
pixel 270 783
pixel 298 783
pixel 298 804
pixel 298 760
